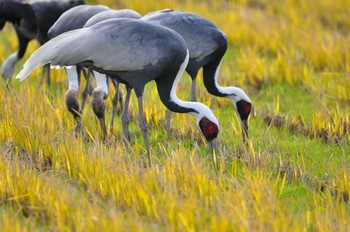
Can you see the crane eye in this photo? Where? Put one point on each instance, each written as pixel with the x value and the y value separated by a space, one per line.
pixel 209 129
pixel 243 109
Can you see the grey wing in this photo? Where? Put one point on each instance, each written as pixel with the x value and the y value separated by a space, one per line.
pixel 201 35
pixel 127 13
pixel 111 14
pixel 106 48
pixel 75 18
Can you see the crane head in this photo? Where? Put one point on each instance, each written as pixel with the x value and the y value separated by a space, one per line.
pixel 243 109
pixel 209 129
pixel 208 124
pixel 243 106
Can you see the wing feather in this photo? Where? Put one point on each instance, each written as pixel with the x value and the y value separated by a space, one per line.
pixel 113 46
pixel 201 35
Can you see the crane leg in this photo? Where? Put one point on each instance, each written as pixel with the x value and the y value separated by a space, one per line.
pixel 125 118
pixel 42 38
pixel 193 90
pixel 117 97
pixel 144 128
pixel 73 106
pixel 42 76
pixel 88 88
pixel 45 74
pixel 48 67
pixel 167 127
pixel 120 99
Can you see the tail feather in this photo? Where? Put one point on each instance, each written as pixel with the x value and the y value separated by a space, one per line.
pixel 57 51
pixel 39 58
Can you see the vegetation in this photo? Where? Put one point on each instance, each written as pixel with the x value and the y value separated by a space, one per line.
pixel 292 57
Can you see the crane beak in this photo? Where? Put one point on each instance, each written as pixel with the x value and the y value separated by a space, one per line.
pixel 244 125
pixel 212 147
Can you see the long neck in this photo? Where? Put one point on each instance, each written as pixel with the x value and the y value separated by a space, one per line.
pixel 167 92
pixel 210 79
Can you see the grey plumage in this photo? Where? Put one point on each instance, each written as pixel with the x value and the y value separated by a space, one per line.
pixel 137 48
pixel 201 35
pixel 111 14
pixel 74 18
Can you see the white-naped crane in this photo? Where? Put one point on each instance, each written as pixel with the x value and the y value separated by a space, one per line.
pixel 134 53
pixel 207 45
pixel 100 93
pixel 46 12
pixel 75 18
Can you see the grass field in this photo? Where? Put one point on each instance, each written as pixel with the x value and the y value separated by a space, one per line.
pixel 292 57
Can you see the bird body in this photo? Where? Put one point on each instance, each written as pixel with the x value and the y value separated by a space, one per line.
pixel 138 49
pixel 153 53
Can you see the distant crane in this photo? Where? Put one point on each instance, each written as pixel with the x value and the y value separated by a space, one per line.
pixel 45 14
pixel 133 52
pixel 207 45
pixel 15 11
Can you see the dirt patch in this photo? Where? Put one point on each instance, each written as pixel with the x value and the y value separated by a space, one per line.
pixel 274 120
pixel 15 155
pixel 299 126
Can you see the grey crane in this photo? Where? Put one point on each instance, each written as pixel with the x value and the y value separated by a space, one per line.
pixel 207 45
pixel 75 18
pixel 100 93
pixel 134 53
pixel 45 14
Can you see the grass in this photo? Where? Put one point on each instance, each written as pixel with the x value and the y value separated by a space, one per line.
pixel 291 57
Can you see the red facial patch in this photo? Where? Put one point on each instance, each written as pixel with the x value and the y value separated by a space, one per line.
pixel 209 129
pixel 244 108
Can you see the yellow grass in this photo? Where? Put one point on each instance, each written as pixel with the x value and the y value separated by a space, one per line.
pixel 54 180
